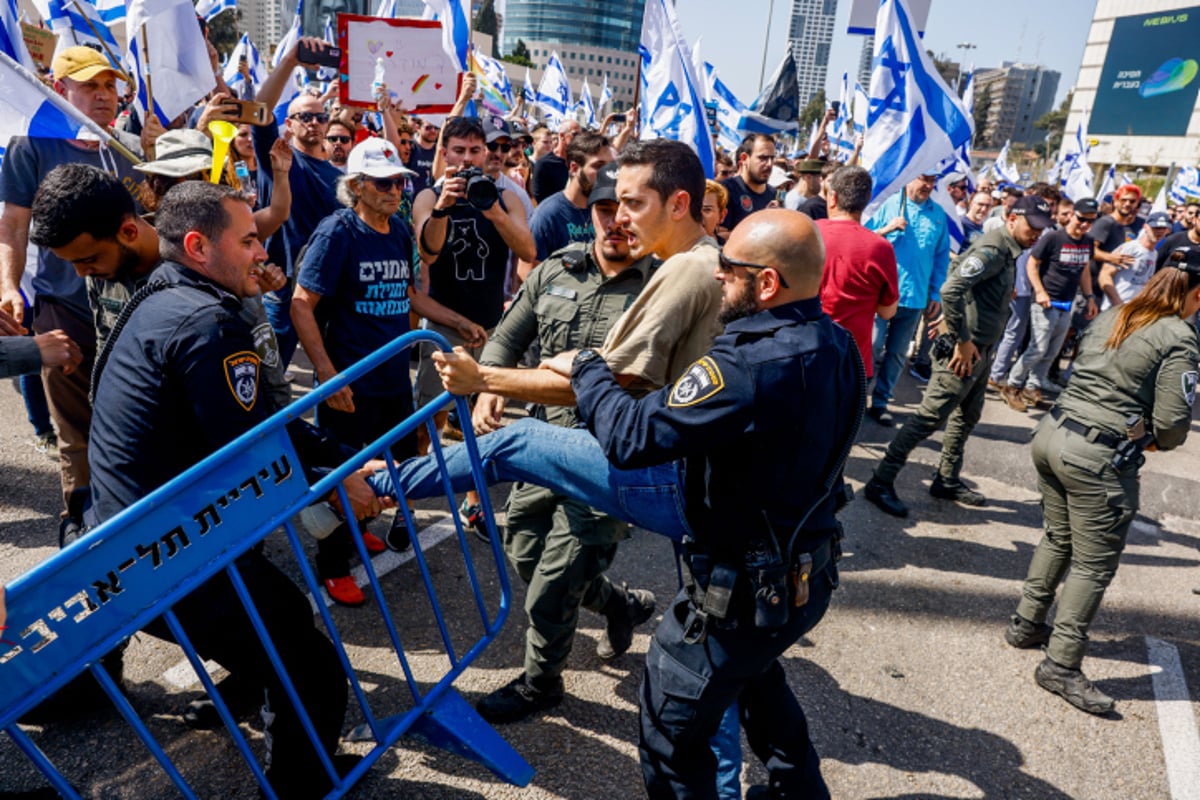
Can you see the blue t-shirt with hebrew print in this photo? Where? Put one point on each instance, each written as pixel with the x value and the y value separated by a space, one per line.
pixel 557 222
pixel 363 277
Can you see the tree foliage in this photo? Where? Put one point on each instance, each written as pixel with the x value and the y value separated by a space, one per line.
pixel 223 31
pixel 983 105
pixel 1054 123
pixel 948 69
pixel 812 112
pixel 485 22
pixel 520 55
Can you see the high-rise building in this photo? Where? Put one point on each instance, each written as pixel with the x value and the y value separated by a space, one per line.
pixel 810 36
pixel 266 22
pixel 593 38
pixel 1016 95
pixel 865 61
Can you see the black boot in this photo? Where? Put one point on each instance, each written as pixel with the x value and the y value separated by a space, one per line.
pixel 1073 686
pixel 625 610
pixel 883 495
pixel 957 491
pixel 519 699
pixel 1026 635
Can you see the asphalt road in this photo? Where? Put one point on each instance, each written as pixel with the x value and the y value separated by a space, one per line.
pixel 909 687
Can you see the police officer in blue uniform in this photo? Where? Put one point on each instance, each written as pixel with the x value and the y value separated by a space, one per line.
pixel 178 379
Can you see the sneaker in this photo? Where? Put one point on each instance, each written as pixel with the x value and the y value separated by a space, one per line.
pixel 1073 686
pixel 921 372
pixel 472 515
pixel 345 591
pixel 1032 397
pixel 881 416
pixel 883 495
pixel 629 608
pixel 1026 635
pixel 373 543
pixel 518 700
pixel 1012 396
pixel 957 491
pixel 46 444
pixel 398 538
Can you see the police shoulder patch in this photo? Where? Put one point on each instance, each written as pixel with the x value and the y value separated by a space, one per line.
pixel 1189 386
pixel 701 381
pixel 241 373
pixel 972 265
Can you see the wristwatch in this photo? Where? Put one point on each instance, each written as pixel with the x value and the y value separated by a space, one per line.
pixel 584 356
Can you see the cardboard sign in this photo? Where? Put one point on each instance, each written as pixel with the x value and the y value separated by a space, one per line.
pixel 40 43
pixel 420 76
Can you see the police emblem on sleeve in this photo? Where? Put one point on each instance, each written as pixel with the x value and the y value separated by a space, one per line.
pixel 241 373
pixel 971 266
pixel 701 381
pixel 1189 386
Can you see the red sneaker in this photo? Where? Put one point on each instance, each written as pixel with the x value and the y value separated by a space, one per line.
pixel 374 544
pixel 345 591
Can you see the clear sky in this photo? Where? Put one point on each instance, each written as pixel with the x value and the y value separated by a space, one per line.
pixel 1047 32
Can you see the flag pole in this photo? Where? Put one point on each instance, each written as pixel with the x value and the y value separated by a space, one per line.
pixel 762 72
pixel 146 76
pixel 112 58
pixel 637 94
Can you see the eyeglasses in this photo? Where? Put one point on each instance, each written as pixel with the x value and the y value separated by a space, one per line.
pixel 387 184
pixel 308 116
pixel 338 139
pixel 494 146
pixel 727 264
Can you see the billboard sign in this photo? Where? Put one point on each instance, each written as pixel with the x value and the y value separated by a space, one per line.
pixel 1149 81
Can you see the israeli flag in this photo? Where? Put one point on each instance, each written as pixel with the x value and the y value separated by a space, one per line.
pixel 842 132
pixel 941 196
pixel 527 93
pixel 964 152
pixel 386 9
pixel 584 110
pixel 328 73
pixel 729 110
pixel 1005 169
pixel 79 24
pixel 862 107
pixel 605 95
pixel 178 68
pixel 258 70
pixel 495 74
pixel 12 42
pixel 554 93
pixel 1076 175
pixel 1185 187
pixel 456 29
pixel 1109 185
pixel 672 106
pixel 210 8
pixel 914 120
pixel 111 11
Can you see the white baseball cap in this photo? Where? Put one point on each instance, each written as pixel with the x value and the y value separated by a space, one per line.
pixel 376 158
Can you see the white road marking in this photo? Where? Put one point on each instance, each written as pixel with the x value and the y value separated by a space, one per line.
pixel 182 676
pixel 1176 720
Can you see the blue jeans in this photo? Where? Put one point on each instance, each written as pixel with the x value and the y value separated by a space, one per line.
pixel 889 346
pixel 566 460
pixel 1014 333
pixel 278 306
pixel 1048 330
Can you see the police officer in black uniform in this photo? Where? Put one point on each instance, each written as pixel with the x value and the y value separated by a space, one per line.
pixel 762 425
pixel 178 379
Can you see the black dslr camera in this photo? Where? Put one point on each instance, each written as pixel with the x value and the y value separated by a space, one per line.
pixel 482 192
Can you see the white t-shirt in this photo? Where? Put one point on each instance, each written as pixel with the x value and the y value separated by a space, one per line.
pixel 1128 281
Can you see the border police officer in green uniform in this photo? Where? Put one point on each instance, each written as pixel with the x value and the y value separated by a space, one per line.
pixel 1132 390
pixel 975 302
pixel 559 546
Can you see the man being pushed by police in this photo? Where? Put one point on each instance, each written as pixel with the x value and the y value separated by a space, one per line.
pixel 179 378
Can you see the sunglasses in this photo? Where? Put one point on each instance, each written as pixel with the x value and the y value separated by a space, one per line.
pixel 405 143
pixel 494 146
pixel 727 265
pixel 308 116
pixel 387 184
pixel 1085 220
pixel 338 139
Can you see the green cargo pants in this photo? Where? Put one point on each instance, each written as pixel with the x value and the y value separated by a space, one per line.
pixel 1088 506
pixel 948 398
pixel 561 549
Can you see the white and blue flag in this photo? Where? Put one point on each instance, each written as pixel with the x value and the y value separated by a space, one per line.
pixel 111 11
pixel 299 75
pixel 455 17
pixel 210 8
pixel 1109 184
pixel 178 68
pixel 914 121
pixel 495 73
pixel 79 24
pixel 30 108
pixel 1185 187
pixel 328 73
pixel 672 101
pixel 386 9
pixel 528 94
pixel 605 96
pixel 12 42
pixel 258 70
pixel 554 93
pixel 1076 173
pixel 584 110
pixel 842 130
pixel 1005 169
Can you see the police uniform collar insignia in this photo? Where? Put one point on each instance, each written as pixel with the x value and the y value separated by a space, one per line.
pixel 1189 386
pixel 241 373
pixel 701 381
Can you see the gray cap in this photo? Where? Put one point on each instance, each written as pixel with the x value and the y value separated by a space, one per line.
pixel 1159 219
pixel 606 184
pixel 495 127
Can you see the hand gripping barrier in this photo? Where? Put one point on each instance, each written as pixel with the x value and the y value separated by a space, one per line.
pixel 65 614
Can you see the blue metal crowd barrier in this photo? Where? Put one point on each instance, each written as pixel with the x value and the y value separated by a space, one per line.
pixel 68 612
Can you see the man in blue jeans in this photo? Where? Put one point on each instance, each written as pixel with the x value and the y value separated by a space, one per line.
pixel 741 459
pixel 916 227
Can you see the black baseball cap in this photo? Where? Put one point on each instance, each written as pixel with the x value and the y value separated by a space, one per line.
pixel 1034 209
pixel 1185 258
pixel 495 127
pixel 606 184
pixel 1087 206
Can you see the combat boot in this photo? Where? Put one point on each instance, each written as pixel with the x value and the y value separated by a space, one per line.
pixel 883 495
pixel 519 699
pixel 1026 635
pixel 625 610
pixel 957 491
pixel 1073 686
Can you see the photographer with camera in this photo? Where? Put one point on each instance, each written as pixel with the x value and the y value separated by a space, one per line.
pixel 467 227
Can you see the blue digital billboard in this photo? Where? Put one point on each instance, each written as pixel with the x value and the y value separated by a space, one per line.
pixel 1149 81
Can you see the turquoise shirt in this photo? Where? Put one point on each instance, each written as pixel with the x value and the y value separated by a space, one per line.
pixel 922 249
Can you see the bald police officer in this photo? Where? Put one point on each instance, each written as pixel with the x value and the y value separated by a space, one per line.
pixel 1132 390
pixel 975 302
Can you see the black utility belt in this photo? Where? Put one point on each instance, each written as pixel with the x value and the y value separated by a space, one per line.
pixel 1089 432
